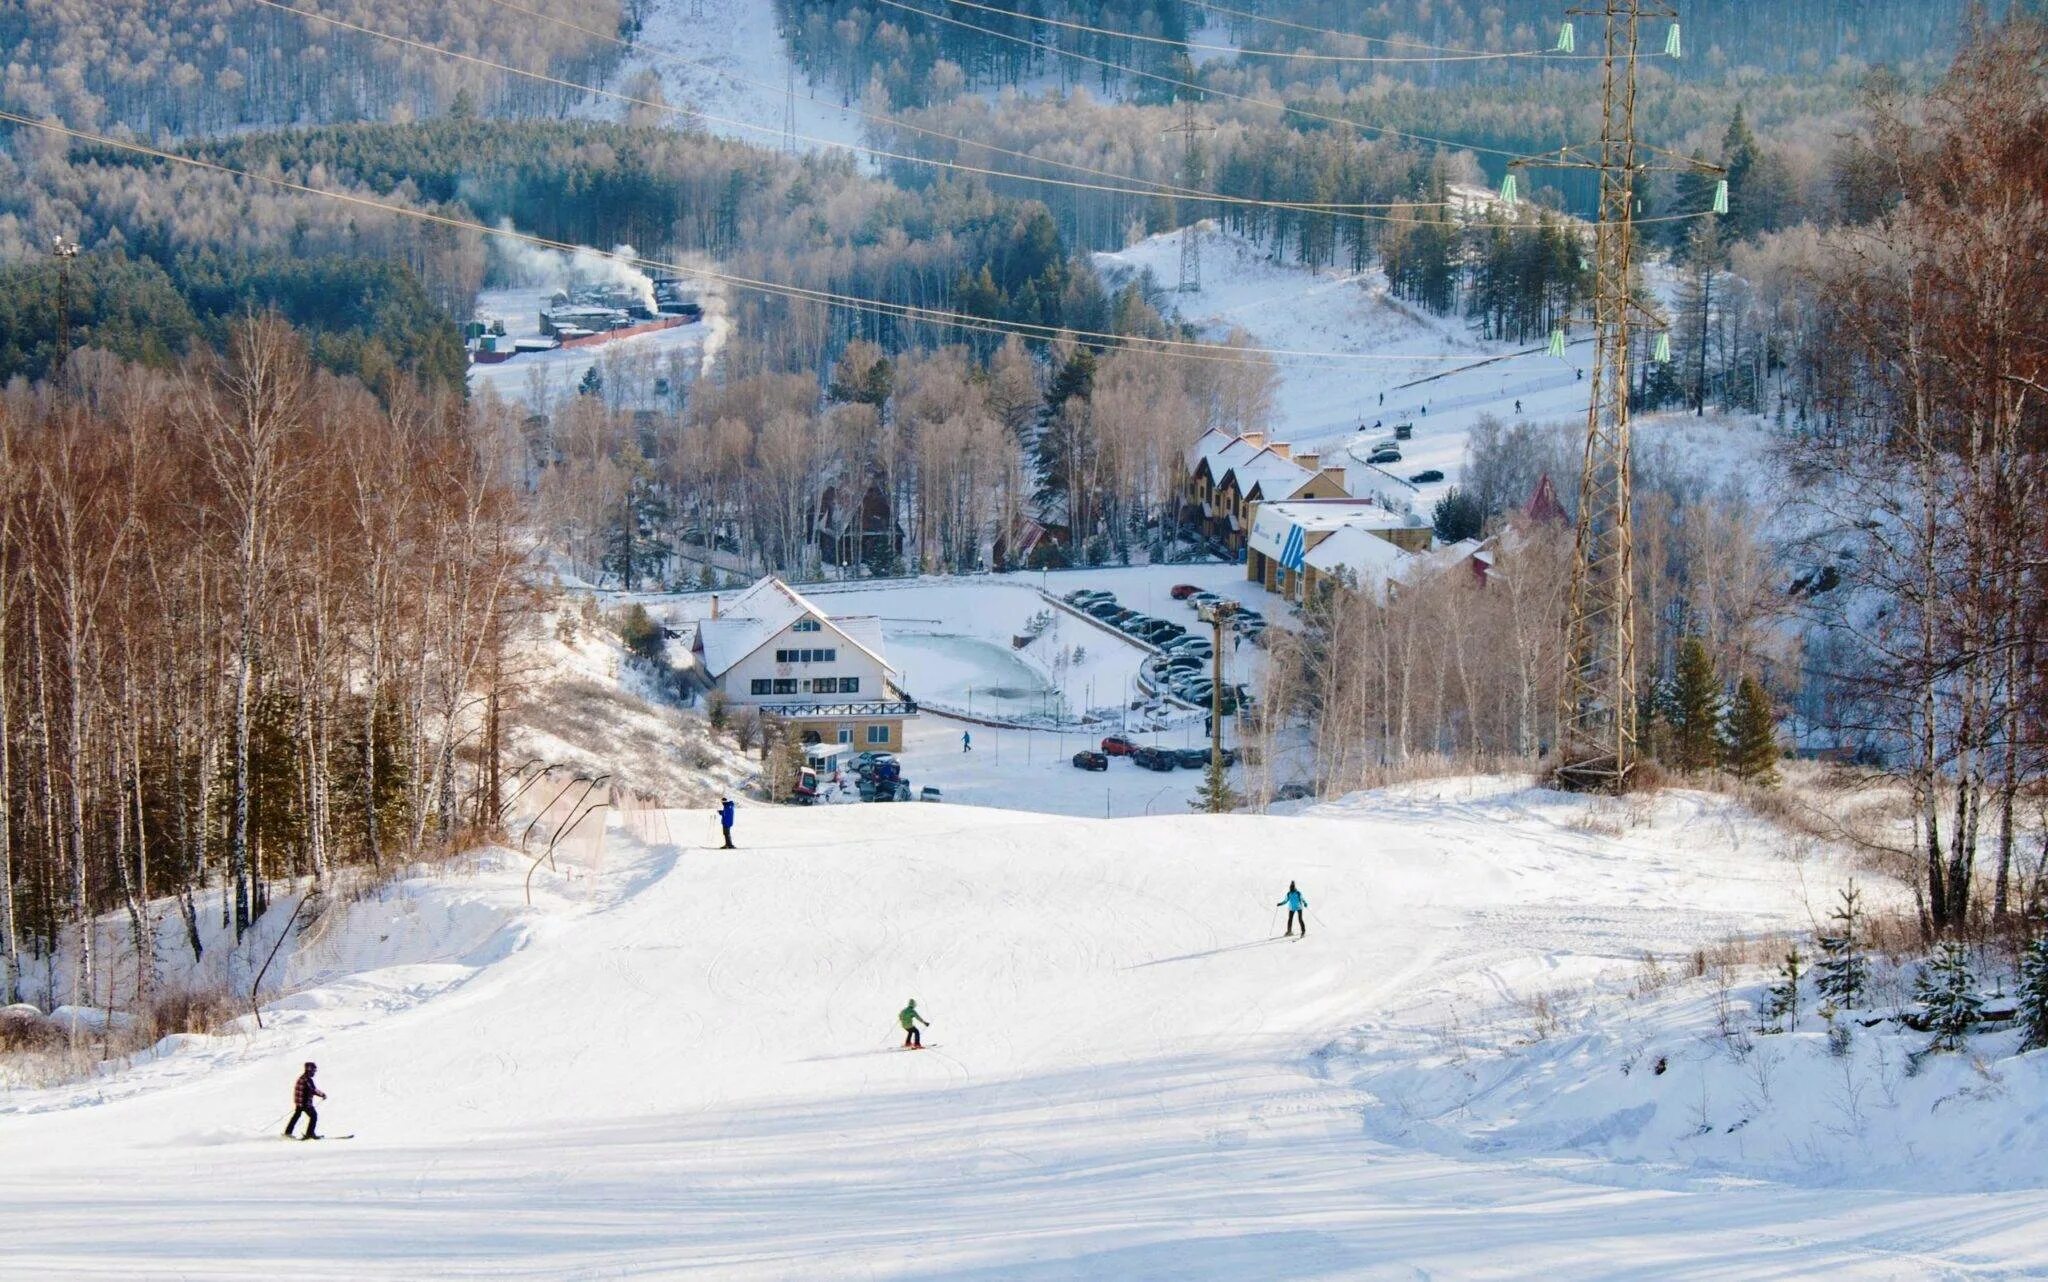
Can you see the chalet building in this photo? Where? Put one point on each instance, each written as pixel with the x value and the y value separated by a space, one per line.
pixel 1295 546
pixel 1228 477
pixel 824 676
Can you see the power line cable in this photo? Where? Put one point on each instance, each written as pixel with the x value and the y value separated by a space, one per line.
pixel 1162 188
pixel 1178 348
pixel 1466 55
pixel 1546 55
pixel 782 133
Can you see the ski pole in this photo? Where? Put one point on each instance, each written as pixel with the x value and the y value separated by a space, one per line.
pixel 1274 920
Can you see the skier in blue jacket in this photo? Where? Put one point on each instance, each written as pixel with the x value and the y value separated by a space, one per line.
pixel 725 809
pixel 1297 910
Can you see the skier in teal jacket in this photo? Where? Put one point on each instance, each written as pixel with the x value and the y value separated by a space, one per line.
pixel 1297 910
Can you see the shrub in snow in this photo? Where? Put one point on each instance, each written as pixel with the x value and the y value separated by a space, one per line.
pixel 1949 992
pixel 1781 999
pixel 1842 973
pixel 2034 993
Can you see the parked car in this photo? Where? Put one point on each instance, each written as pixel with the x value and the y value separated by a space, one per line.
pixel 1292 792
pixel 1385 454
pixel 1178 663
pixel 1192 758
pixel 929 793
pixel 1119 617
pixel 1427 476
pixel 1198 646
pixel 1087 760
pixel 1195 689
pixel 1154 758
pixel 1231 756
pixel 1167 631
pixel 1182 591
pixel 1200 599
pixel 1088 596
pixel 1404 431
pixel 1103 609
pixel 1117 745
pixel 1135 621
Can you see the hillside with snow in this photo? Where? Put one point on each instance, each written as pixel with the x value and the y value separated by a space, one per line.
pixel 691 1066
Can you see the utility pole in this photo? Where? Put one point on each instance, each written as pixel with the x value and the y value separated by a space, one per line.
pixel 1218 799
pixel 789 110
pixel 1597 747
pixel 1191 178
pixel 63 251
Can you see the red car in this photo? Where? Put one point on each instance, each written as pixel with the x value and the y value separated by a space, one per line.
pixel 1182 591
pixel 1118 746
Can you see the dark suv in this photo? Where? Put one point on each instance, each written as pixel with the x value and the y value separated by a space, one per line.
pixel 1090 760
pixel 1155 758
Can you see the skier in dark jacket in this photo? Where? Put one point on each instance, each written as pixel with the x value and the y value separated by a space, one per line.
pixel 303 1095
pixel 910 1019
pixel 725 809
pixel 1297 910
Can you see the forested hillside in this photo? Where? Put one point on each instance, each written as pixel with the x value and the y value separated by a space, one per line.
pixel 181 67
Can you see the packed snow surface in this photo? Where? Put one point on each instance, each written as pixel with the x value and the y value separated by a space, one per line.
pixel 694 1070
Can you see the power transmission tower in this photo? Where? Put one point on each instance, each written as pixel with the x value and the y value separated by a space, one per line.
pixel 63 251
pixel 1597 745
pixel 1191 178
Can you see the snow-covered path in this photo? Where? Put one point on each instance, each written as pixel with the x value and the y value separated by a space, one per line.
pixel 1128 1076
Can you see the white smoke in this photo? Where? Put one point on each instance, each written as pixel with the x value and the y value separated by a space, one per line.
pixel 521 263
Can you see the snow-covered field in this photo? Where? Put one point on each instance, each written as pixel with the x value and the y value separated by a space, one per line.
pixel 727 59
pixel 692 1071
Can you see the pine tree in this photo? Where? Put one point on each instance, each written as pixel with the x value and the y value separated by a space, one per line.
pixel 1695 711
pixel 1752 735
pixel 1843 973
pixel 1781 1000
pixel 592 384
pixel 1948 990
pixel 1457 516
pixel 2034 993
pixel 1215 795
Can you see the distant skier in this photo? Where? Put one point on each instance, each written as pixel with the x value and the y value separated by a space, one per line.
pixel 1518 407
pixel 1297 910
pixel 967 741
pixel 725 810
pixel 303 1095
pixel 910 1019
pixel 1383 398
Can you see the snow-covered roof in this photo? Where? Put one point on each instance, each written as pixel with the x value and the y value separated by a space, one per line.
pixel 761 613
pixel 1316 515
pixel 1347 541
pixel 1221 451
pixel 1279 475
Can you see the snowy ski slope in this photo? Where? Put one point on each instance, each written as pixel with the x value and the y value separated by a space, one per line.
pixel 694 1073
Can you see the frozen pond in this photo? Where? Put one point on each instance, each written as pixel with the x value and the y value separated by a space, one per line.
pixel 971 675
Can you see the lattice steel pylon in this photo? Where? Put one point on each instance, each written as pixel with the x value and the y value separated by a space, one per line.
pixel 1597 740
pixel 1191 176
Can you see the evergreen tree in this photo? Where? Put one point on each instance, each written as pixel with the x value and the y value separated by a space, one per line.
pixel 1215 795
pixel 592 384
pixel 1752 735
pixel 1695 709
pixel 1948 990
pixel 1843 971
pixel 1781 1000
pixel 2034 993
pixel 1458 516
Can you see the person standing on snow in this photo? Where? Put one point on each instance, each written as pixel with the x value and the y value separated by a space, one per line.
pixel 910 1019
pixel 725 809
pixel 967 741
pixel 1297 910
pixel 303 1095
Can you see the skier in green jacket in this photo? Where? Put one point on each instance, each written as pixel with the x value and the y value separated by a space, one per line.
pixel 910 1019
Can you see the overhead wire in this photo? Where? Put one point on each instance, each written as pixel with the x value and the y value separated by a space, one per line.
pixel 1351 212
pixel 1178 348
pixel 1546 55
pixel 1163 189
pixel 1359 213
pixel 1464 55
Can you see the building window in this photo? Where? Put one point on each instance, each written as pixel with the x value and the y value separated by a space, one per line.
pixel 762 685
pixel 785 685
pixel 826 655
pixel 846 734
pixel 849 685
pixel 806 625
pixel 825 685
pixel 878 734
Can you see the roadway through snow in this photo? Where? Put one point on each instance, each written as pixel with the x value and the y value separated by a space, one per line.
pixel 1129 1077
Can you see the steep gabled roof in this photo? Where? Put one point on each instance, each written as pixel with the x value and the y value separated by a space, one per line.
pixel 761 613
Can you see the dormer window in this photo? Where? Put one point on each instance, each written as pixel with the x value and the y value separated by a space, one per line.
pixel 807 625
